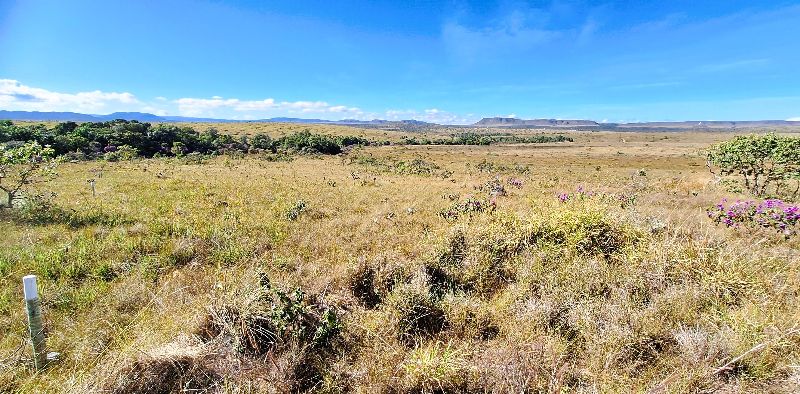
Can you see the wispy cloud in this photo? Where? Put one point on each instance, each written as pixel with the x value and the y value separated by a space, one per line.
pixel 742 64
pixel 518 29
pixel 16 96
pixel 647 85
pixel 515 31
pixel 667 22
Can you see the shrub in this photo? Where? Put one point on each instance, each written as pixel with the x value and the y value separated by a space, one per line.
pixel 273 319
pixel 493 187
pixel 468 207
pixel 490 167
pixel 765 162
pixel 515 182
pixel 772 214
pixel 261 141
pixel 587 229
pixel 349 140
pixel 39 209
pixel 306 142
pixel 485 139
pixel 23 166
pixel 416 166
pixel 295 210
pixel 623 199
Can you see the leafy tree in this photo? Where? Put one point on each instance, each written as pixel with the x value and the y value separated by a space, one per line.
pixel 766 163
pixel 22 166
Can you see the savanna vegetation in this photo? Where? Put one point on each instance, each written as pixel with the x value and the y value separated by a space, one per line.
pixel 122 139
pixel 601 265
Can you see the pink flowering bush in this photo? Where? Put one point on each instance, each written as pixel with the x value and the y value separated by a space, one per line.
pixel 771 214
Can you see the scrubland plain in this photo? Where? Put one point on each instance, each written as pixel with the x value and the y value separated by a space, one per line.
pixel 404 269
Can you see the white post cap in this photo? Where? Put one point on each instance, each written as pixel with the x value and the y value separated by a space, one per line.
pixel 29 286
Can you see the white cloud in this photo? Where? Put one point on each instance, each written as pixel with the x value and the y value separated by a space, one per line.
pixel 216 105
pixel 202 107
pixel 16 96
pixel 432 115
pixel 795 119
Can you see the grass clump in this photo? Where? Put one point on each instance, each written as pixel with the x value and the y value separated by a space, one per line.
pixel 436 367
pixel 371 283
pixel 415 313
pixel 273 320
pixel 166 375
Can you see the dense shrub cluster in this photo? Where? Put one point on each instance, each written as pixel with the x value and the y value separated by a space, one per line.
pixel 486 139
pixel 120 139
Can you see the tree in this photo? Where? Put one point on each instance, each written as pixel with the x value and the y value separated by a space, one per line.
pixel 766 162
pixel 22 166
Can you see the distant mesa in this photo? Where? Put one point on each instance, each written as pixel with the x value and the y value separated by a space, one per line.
pixel 712 124
pixel 590 124
pixel 516 122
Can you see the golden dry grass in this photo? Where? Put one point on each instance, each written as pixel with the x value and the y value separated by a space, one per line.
pixel 665 304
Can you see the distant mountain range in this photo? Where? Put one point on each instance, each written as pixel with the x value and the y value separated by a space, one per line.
pixel 580 123
pixel 516 122
pixel 485 122
pixel 145 117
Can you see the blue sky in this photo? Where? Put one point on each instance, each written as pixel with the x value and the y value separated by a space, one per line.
pixel 446 62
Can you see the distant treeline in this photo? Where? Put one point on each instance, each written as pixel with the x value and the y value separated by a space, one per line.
pixel 143 139
pixel 122 138
pixel 486 139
